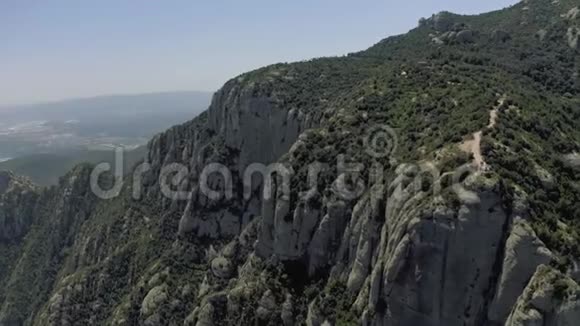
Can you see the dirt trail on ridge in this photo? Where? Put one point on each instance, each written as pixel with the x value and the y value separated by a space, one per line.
pixel 473 146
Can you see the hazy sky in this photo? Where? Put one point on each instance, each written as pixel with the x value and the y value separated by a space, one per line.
pixel 69 48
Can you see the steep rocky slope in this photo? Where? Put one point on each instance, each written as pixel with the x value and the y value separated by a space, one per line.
pixel 403 226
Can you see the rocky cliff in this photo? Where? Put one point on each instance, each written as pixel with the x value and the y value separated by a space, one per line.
pixel 429 180
pixel 17 197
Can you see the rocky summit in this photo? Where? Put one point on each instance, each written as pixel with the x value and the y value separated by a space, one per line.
pixel 432 179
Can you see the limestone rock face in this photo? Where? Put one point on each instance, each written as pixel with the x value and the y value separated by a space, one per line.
pixel 244 125
pixel 442 21
pixel 253 124
pixel 407 262
pixel 541 34
pixel 466 36
pixel 394 254
pixel 288 234
pixel 550 299
pixel 17 199
pixel 287 313
pixel 545 177
pixel 360 240
pixel 155 298
pixel 328 232
pixel 404 256
pixel 61 211
pixel 463 36
pixel 222 267
pixel 572 13
pixel 501 36
pixel 523 254
pixel 572 160
pixel 313 318
pixel 572 37
pixel 267 306
pixel 425 278
pixel 206 315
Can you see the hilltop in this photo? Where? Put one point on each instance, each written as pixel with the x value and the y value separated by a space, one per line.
pixel 448 194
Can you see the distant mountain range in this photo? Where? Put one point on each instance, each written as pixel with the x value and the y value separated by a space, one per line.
pixel 430 180
pixel 148 102
pixel 93 122
pixel 148 113
pixel 44 141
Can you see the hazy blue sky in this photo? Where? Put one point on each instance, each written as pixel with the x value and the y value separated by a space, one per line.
pixel 70 48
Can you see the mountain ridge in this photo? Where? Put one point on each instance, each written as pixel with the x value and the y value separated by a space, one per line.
pixel 101 97
pixel 467 246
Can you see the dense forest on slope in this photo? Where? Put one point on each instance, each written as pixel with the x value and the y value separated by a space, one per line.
pixel 497 91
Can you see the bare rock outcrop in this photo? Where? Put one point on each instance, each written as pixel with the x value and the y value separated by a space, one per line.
pixel 155 298
pixel 254 125
pixel 222 267
pixel 288 234
pixel 465 36
pixel 572 13
pixel 424 277
pixel 501 36
pixel 523 254
pixel 550 299
pixel 17 199
pixel 442 21
pixel 572 37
